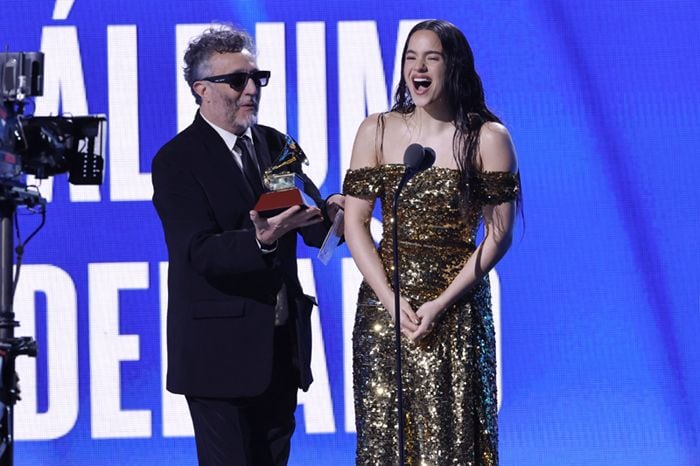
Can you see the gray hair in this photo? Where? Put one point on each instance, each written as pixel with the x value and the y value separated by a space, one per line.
pixel 222 38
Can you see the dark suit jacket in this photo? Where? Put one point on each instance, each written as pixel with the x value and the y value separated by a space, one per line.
pixel 221 288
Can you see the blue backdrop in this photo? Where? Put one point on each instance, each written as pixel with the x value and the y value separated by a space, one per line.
pixel 599 300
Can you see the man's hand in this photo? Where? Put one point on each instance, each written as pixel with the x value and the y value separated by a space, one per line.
pixel 269 230
pixel 334 204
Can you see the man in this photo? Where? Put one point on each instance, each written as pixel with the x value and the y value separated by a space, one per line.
pixel 238 330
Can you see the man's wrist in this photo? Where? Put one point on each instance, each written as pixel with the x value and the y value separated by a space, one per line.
pixel 266 248
pixel 324 207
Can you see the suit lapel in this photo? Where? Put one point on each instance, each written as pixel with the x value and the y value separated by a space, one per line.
pixel 262 149
pixel 222 165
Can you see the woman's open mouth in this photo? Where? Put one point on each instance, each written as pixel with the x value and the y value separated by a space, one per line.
pixel 421 85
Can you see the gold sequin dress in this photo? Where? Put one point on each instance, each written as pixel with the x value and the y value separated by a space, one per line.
pixel 449 380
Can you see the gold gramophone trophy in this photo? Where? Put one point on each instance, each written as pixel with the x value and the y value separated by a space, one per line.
pixel 285 187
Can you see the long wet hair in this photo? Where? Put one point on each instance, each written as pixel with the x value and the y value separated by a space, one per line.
pixel 464 92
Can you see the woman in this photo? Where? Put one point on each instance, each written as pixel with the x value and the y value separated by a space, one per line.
pixel 448 349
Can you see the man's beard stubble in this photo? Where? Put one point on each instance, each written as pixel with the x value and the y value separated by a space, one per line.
pixel 237 121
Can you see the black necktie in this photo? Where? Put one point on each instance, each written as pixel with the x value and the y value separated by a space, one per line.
pixel 250 168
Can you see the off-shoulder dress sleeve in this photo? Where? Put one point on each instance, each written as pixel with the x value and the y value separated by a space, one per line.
pixel 364 183
pixel 495 188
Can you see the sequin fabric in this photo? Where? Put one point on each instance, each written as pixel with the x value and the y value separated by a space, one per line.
pixel 449 379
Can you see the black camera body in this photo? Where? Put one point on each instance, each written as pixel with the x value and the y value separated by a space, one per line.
pixel 42 146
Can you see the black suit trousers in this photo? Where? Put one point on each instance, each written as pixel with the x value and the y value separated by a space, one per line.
pixel 250 431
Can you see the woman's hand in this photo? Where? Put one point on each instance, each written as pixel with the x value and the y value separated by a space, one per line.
pixel 428 315
pixel 409 320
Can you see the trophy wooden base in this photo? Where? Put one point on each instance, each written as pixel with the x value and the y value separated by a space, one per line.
pixel 274 202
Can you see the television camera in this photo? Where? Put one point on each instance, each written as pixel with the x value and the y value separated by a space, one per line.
pixel 42 146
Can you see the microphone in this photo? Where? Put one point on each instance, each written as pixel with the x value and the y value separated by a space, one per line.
pixel 428 159
pixel 413 156
pixel 416 159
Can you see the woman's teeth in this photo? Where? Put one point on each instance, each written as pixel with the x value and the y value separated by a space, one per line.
pixel 421 82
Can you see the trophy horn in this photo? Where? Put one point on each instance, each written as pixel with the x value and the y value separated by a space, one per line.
pixel 291 154
pixel 276 177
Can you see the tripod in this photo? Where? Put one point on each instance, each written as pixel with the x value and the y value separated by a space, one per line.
pixel 41 146
pixel 10 346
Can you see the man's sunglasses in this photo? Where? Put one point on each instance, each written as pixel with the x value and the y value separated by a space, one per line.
pixel 238 80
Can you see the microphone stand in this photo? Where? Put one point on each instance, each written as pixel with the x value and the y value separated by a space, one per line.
pixel 417 158
pixel 397 313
